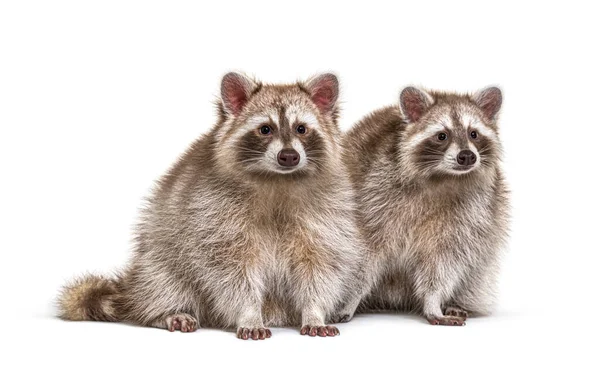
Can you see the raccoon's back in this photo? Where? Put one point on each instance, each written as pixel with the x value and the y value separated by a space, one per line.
pixel 373 138
pixel 195 165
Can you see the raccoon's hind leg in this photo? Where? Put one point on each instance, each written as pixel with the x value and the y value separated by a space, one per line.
pixel 456 311
pixel 434 315
pixel 346 313
pixel 177 322
pixel 152 298
pixel 477 295
pixel 366 279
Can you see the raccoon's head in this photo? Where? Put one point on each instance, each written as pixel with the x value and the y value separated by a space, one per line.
pixel 450 134
pixel 278 130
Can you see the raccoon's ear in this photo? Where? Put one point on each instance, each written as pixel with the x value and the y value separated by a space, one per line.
pixel 414 103
pixel 235 92
pixel 490 101
pixel 324 91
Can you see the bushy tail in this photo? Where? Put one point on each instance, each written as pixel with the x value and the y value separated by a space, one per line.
pixel 90 298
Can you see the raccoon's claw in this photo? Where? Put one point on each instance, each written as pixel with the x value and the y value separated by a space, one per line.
pixel 446 320
pixel 321 331
pixel 181 322
pixel 253 333
pixel 457 312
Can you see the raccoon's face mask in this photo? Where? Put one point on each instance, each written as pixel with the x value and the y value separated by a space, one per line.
pixel 450 134
pixel 279 130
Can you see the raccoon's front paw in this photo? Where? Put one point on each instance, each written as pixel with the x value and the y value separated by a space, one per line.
pixel 181 322
pixel 253 333
pixel 322 331
pixel 446 320
pixel 456 312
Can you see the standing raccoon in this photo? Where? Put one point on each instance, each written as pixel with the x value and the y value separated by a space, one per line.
pixel 249 229
pixel 432 202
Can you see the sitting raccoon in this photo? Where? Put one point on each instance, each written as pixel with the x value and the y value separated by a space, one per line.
pixel 432 203
pixel 249 229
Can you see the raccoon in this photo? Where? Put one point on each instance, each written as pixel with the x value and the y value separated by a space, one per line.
pixel 249 229
pixel 432 204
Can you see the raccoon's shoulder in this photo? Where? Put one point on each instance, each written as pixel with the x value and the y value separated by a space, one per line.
pixel 195 164
pixel 374 136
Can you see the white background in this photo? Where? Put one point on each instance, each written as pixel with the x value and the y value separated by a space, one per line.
pixel 98 99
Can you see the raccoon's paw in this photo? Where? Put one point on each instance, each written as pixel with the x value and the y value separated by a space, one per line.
pixel 181 322
pixel 341 318
pixel 456 312
pixel 321 331
pixel 253 333
pixel 446 320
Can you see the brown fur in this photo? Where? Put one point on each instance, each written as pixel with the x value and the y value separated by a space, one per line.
pixel 227 240
pixel 89 298
pixel 434 236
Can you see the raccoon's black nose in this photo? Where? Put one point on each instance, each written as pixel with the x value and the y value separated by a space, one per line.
pixel 466 157
pixel 288 158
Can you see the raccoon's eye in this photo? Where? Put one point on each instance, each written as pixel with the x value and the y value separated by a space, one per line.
pixel 473 134
pixel 265 130
pixel 442 136
pixel 301 129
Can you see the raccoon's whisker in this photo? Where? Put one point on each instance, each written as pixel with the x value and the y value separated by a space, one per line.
pixel 432 151
pixel 430 158
pixel 431 155
pixel 246 150
pixel 250 161
pixel 257 156
pixel 425 166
